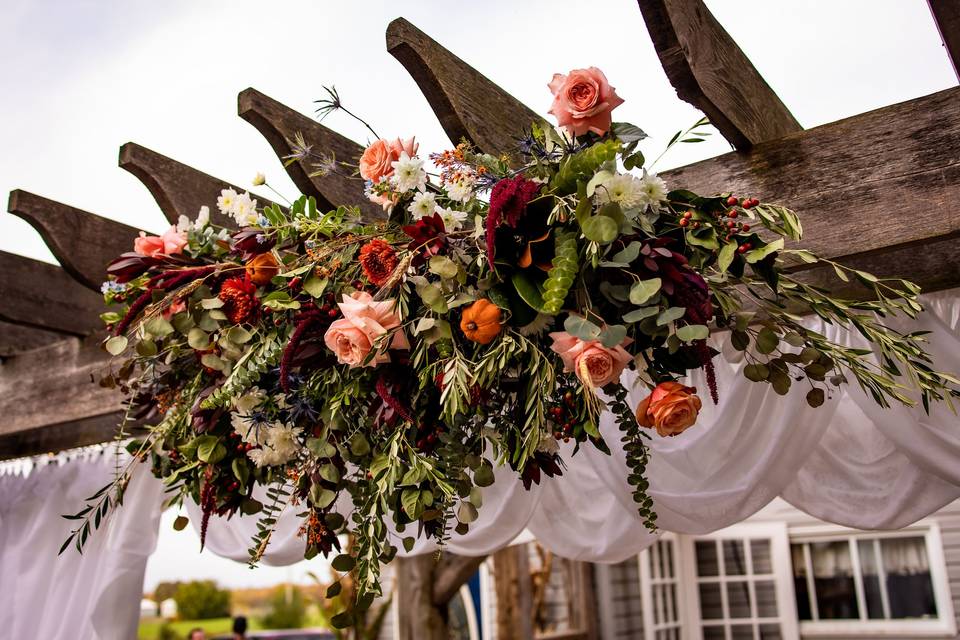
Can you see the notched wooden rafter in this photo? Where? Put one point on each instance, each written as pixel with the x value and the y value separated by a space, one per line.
pixel 465 101
pixel 710 71
pixel 946 15
pixel 15 339
pixel 280 125
pixel 83 243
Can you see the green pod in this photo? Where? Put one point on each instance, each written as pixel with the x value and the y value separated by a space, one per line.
pixel 581 166
pixel 562 274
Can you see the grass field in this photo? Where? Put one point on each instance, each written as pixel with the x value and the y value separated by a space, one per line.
pixel 149 629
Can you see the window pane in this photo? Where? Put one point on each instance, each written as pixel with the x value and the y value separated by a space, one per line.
pixel 766 598
pixel 909 586
pixel 707 558
pixel 738 599
pixel 668 558
pixel 833 580
pixel 871 578
pixel 760 550
pixel 800 582
pixel 711 606
pixel 714 633
pixel 657 604
pixel 770 632
pixel 742 632
pixel 733 561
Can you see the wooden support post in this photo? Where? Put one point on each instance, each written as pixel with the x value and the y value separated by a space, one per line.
pixel 280 124
pixel 179 190
pixel 511 571
pixel 946 13
pixel 83 243
pixel 467 104
pixel 44 296
pixel 709 71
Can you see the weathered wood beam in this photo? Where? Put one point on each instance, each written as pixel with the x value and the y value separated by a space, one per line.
pixel 50 398
pixel 511 573
pixel 710 71
pixel 467 104
pixel 44 296
pixel 451 574
pixel 179 190
pixel 83 243
pixel 880 187
pixel 15 339
pixel 418 617
pixel 946 14
pixel 280 124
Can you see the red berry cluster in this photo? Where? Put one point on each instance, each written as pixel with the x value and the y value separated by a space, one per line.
pixel 563 417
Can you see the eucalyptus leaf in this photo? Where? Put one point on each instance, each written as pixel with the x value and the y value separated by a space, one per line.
pixel 600 229
pixel 116 345
pixel 691 332
pixel 643 290
pixel 670 315
pixel 581 327
pixel 613 335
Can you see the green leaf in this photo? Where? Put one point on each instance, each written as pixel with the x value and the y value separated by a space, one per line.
pixel 759 254
pixel 815 397
pixel 410 501
pixel 116 345
pixel 240 470
pixel 443 267
pixel 628 254
pixel 727 253
pixel 601 229
pixel 613 335
pixel 596 180
pixel 432 296
pixel 639 314
pixel 158 326
pixel 334 590
pixel 705 237
pixel 581 327
pixel 330 473
pixel 691 332
pixel 321 497
pixel 359 445
pixel 239 335
pixel 180 523
pixel 211 303
pixel 756 372
pixel 483 476
pixel 198 339
pixel 670 315
pixel 740 340
pixel 343 563
pixel 643 290
pixel 467 513
pixel 315 285
pixel 342 620
pixel 210 449
pixel 767 340
pixel 321 448
pixel 529 290
pixel 626 132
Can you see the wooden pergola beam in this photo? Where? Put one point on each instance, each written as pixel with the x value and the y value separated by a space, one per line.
pixel 15 339
pixel 946 15
pixel 709 70
pixel 180 190
pixel 44 296
pixel 467 104
pixel 880 186
pixel 83 243
pixel 280 124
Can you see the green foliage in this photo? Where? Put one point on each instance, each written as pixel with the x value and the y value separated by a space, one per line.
pixel 202 599
pixel 580 166
pixel 562 274
pixel 287 609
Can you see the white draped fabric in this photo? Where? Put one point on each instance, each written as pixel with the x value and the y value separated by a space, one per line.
pixel 93 596
pixel 848 462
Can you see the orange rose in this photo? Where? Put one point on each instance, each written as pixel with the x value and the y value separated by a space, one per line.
pixel 377 160
pixel 262 268
pixel 670 409
pixel 583 100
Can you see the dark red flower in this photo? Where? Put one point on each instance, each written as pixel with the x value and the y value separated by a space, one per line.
pixel 428 237
pixel 508 202
pixel 378 260
pixel 250 242
pixel 239 296
pixel 130 265
pixel 682 286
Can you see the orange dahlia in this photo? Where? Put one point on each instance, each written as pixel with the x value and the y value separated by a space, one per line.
pixel 378 260
pixel 239 296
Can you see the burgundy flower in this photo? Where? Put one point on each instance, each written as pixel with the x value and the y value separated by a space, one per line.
pixel 683 286
pixel 428 237
pixel 508 202
pixel 130 265
pixel 251 242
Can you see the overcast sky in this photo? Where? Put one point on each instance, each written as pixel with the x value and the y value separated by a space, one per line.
pixel 82 77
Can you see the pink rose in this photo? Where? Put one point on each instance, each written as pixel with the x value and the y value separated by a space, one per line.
pixel 353 336
pixel 170 243
pixel 595 364
pixel 377 160
pixel 671 409
pixel 583 100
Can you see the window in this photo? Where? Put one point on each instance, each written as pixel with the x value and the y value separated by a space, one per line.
pixel 662 618
pixel 861 582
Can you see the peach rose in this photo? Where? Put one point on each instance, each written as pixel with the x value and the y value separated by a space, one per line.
pixel 595 364
pixel 670 409
pixel 170 243
pixel 583 100
pixel 353 336
pixel 377 160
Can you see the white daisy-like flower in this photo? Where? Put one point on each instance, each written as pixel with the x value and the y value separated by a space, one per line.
pixel 408 174
pixel 203 217
pixel 226 200
pixel 423 204
pixel 259 179
pixel 245 210
pixel 264 457
pixel 452 219
pixel 461 189
pixel 245 428
pixel 653 190
pixel 624 189
pixel 284 440
pixel 184 224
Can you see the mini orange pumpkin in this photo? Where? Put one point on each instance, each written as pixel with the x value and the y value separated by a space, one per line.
pixel 262 268
pixel 481 321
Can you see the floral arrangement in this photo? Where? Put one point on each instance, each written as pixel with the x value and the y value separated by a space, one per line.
pixel 370 375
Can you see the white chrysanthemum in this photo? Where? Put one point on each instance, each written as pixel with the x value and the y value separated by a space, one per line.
pixel 284 440
pixel 423 204
pixel 452 219
pixel 244 426
pixel 245 210
pixel 653 190
pixel 461 189
pixel 184 224
pixel 408 174
pixel 203 217
pixel 264 457
pixel 226 200
pixel 249 401
pixel 625 189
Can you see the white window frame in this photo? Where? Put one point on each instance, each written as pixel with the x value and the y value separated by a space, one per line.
pixel 782 575
pixel 647 583
pixel 944 626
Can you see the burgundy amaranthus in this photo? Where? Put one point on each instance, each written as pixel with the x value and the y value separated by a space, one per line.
pixel 378 260
pixel 167 281
pixel 508 202
pixel 306 321
pixel 208 502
